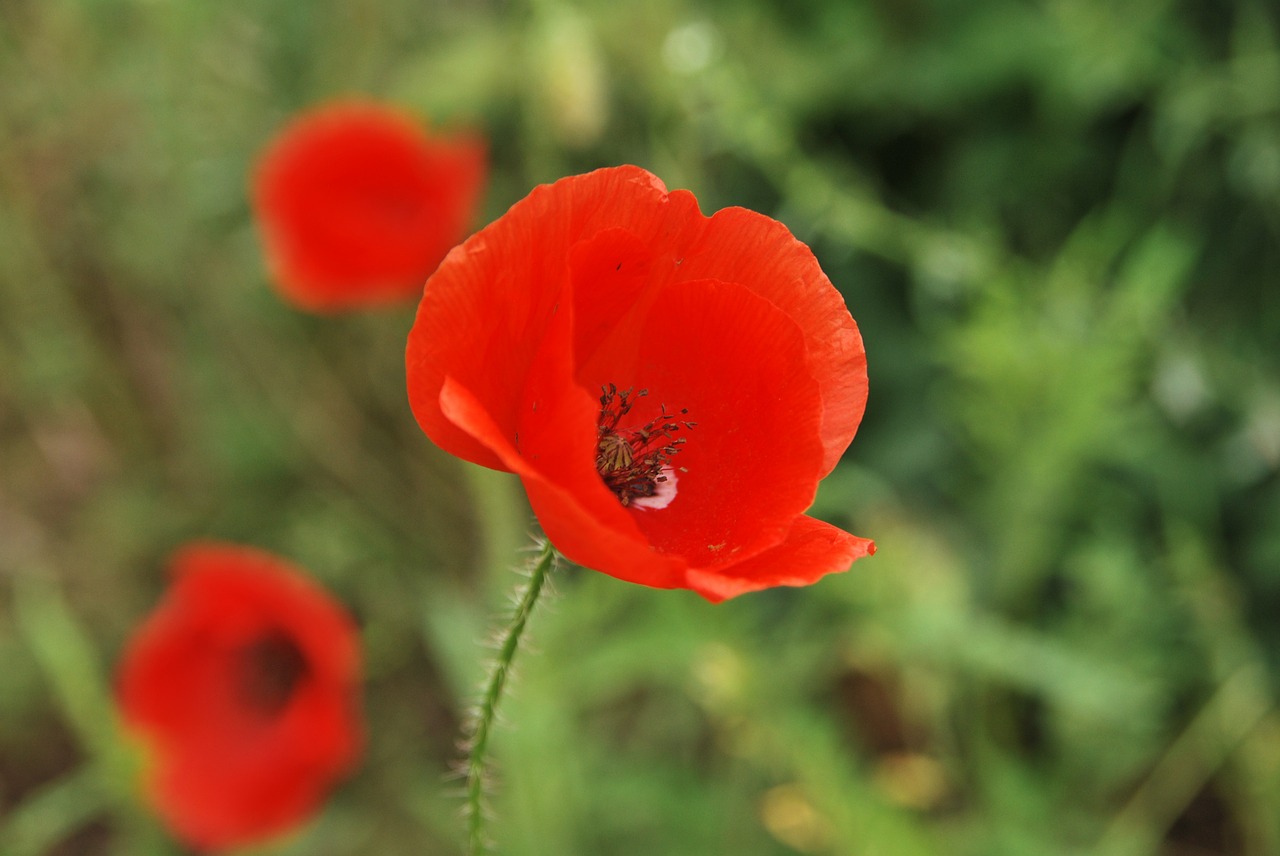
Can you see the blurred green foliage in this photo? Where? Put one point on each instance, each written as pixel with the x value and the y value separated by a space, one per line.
pixel 1058 224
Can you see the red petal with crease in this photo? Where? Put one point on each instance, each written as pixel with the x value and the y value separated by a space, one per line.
pixel 811 550
pixel 486 309
pixel 751 462
pixel 742 246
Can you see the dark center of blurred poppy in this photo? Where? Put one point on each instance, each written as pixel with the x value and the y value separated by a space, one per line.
pixel 399 208
pixel 634 462
pixel 270 670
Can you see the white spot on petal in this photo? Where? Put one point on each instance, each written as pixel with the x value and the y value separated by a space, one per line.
pixel 665 492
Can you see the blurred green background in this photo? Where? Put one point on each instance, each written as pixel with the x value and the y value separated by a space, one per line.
pixel 1058 224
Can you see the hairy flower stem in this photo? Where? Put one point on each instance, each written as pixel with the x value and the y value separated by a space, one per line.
pixel 482 723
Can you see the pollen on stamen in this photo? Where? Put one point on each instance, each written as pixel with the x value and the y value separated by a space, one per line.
pixel 634 463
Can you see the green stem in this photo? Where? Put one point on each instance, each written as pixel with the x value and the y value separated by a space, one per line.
pixel 482 724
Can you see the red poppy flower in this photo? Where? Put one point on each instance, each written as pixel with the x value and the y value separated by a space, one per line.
pixel 243 684
pixel 669 387
pixel 357 204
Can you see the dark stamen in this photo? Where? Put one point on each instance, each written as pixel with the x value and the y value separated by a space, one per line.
pixel 631 461
pixel 270 670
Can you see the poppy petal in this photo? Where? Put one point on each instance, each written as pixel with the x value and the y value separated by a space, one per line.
pixel 750 462
pixel 485 310
pixel 743 246
pixel 481 321
pixel 811 550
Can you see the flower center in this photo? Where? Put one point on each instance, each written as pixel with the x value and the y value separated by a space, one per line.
pixel 270 670
pixel 633 463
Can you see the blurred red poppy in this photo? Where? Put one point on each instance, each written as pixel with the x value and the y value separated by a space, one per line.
pixel 669 387
pixel 357 204
pixel 243 685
